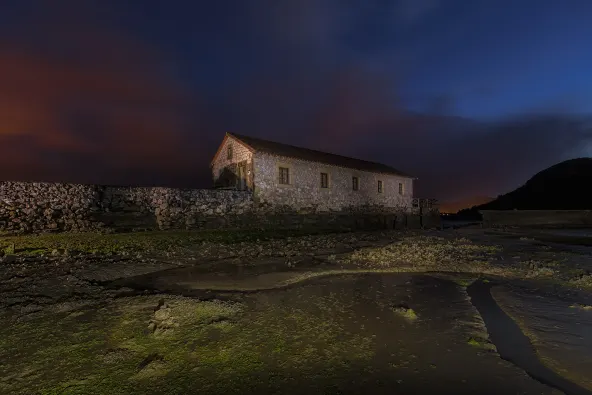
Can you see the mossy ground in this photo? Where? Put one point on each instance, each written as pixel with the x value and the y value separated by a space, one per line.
pixel 208 345
pixel 146 242
pixel 462 255
pixel 126 347
pixel 428 253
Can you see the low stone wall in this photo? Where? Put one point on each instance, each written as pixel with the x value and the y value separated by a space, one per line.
pixel 538 218
pixel 167 208
pixel 30 207
pixel 37 207
pixel 43 207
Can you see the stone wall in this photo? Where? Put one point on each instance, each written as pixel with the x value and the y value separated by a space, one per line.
pixel 537 218
pixel 305 192
pixel 35 207
pixel 43 207
pixel 31 207
pixel 168 208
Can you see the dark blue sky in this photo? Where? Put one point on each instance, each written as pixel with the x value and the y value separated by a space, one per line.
pixel 483 59
pixel 472 96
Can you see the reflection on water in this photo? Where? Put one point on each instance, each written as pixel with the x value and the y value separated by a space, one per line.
pixel 561 330
pixel 569 232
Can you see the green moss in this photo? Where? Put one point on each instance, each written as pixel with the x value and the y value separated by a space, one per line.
pixel 474 342
pixel 463 282
pixel 144 242
pixel 9 249
pixel 406 312
pixel 216 346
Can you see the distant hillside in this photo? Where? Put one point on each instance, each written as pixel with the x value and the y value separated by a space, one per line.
pixel 564 186
pixel 456 206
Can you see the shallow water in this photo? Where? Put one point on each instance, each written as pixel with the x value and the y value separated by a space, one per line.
pixel 569 232
pixel 513 345
pixel 560 329
pixel 429 353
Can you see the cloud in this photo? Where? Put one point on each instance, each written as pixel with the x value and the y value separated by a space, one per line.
pixel 412 11
pixel 102 104
pixel 98 95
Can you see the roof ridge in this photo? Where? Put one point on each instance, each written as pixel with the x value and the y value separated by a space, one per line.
pixel 259 144
pixel 310 149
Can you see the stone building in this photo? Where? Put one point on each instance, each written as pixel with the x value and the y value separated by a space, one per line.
pixel 281 174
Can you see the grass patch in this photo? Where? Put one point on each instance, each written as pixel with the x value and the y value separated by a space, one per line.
pixel 215 346
pixel 152 241
pixel 406 312
pixel 427 253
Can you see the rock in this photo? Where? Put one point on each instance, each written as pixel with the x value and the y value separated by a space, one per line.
pixel 9 259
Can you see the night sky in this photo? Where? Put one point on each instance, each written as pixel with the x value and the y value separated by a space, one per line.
pixel 472 97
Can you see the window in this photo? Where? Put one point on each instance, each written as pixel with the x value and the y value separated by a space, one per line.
pixel 355 183
pixel 379 186
pixel 284 175
pixel 229 152
pixel 324 180
pixel 401 190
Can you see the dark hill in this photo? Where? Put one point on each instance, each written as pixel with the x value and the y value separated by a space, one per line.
pixel 564 186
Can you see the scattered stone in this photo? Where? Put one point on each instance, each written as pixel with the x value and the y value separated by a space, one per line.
pixel 162 320
pixel 405 311
pixel 9 259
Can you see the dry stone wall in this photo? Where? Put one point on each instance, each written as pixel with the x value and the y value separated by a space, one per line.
pixel 51 207
pixel 36 207
pixel 29 207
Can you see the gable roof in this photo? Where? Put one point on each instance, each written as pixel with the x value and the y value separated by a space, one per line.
pixel 291 151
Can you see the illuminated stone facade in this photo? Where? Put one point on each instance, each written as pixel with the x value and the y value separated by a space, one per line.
pixel 304 188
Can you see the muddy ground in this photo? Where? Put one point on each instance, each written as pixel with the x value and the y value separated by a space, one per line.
pixel 228 312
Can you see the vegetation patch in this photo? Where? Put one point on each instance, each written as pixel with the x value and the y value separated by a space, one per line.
pixel 216 346
pixel 134 242
pixel 423 253
pixel 581 307
pixel 538 268
pixel 582 279
pixel 406 312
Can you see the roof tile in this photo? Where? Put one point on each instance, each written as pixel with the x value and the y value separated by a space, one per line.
pixel 290 151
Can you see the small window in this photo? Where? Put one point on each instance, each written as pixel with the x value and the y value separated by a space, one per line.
pixel 401 189
pixel 229 152
pixel 355 183
pixel 379 186
pixel 324 180
pixel 284 175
